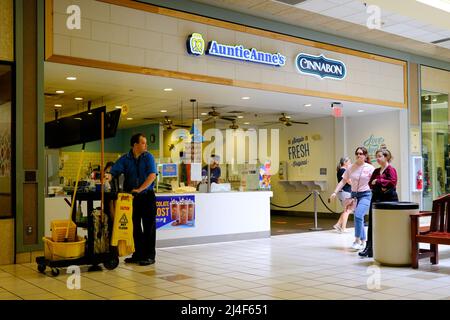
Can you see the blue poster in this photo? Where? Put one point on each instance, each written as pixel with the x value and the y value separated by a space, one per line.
pixel 174 212
pixel 169 170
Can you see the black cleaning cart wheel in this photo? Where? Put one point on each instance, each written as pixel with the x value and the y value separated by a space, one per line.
pixel 55 272
pixel 41 268
pixel 111 262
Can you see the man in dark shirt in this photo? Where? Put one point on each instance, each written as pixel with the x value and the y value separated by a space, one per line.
pixel 139 169
pixel 215 171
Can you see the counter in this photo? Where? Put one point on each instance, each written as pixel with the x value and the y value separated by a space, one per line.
pixel 221 216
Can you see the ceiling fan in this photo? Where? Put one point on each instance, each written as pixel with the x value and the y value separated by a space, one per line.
pixel 168 123
pixel 233 125
pixel 214 115
pixel 286 120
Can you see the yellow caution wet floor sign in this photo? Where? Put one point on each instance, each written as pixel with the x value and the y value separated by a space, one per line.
pixel 122 235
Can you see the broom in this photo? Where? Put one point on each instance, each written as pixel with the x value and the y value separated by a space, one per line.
pixel 66 237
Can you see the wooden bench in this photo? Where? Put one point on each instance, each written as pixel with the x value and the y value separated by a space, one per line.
pixel 437 233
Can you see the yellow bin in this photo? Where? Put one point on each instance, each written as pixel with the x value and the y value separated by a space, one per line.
pixel 63 250
pixel 59 228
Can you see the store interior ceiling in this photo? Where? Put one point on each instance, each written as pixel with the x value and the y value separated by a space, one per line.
pixel 406 25
pixel 147 97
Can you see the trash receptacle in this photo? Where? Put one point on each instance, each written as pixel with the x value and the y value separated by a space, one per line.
pixel 392 232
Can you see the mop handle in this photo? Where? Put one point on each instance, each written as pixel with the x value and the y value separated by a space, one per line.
pixel 74 194
pixel 102 162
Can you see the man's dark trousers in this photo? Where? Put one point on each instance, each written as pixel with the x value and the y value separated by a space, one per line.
pixel 144 211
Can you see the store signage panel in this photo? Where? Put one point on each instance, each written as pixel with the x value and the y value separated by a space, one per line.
pixel 196 46
pixel 320 66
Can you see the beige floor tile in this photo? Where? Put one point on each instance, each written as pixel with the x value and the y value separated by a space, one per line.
pixel 332 295
pixel 286 294
pixel 223 289
pixel 197 294
pixel 47 296
pixel 242 294
pixel 217 297
pixel 9 296
pixel 106 291
pixel 172 297
pixel 180 289
pixel 287 286
pixel 84 297
pixel 262 297
pixel 28 291
pixel 128 297
pixel 153 293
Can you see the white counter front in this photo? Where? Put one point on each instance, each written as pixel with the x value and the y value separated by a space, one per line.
pixel 225 216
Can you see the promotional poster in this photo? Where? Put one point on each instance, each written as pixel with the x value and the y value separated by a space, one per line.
pixel 175 212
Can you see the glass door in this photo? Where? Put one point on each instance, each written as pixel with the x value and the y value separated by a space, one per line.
pixel 435 146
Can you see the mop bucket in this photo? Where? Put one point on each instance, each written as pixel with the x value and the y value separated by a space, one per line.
pixel 55 251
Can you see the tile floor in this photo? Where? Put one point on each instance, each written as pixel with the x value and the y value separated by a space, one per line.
pixel 305 266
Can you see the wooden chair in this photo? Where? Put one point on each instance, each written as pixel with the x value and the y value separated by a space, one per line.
pixel 437 233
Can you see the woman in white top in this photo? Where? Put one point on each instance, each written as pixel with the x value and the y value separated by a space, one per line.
pixel 358 175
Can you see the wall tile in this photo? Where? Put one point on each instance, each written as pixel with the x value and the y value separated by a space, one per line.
pixel 95 10
pixel 90 49
pixel 160 23
pixel 185 28
pixel 127 17
pixel 161 60
pixel 221 69
pixel 174 44
pixel 145 39
pixel 223 36
pixel 127 55
pixel 108 32
pixel 247 72
pixel 61 45
pixel 192 64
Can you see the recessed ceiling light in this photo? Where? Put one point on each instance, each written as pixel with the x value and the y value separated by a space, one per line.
pixel 71 78
pixel 246 122
pixel 307 105
pixel 360 110
pixel 204 113
pixel 58 105
pixel 118 107
pixel 288 117
pixel 78 119
pixel 240 117
pixel 245 98
pixel 60 91
pixel 78 98
pixel 129 118
pixel 163 111
pixel 168 89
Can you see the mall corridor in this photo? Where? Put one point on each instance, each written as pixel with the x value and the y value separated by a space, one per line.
pixel 304 266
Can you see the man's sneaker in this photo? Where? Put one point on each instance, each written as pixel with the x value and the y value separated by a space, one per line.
pixel 146 262
pixel 336 227
pixel 357 246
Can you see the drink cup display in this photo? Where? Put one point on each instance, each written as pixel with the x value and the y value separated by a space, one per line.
pixel 191 208
pixel 183 212
pixel 175 210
